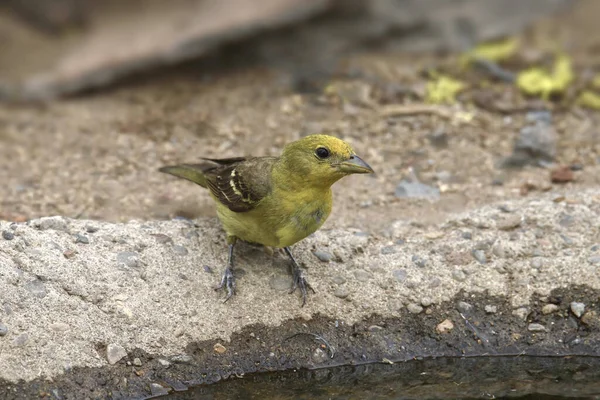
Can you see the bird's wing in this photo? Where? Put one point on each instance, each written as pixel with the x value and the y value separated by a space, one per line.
pixel 240 183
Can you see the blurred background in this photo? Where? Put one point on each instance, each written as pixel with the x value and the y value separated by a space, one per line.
pixel 455 103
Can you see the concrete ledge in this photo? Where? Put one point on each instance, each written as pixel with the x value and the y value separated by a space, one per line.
pixel 90 308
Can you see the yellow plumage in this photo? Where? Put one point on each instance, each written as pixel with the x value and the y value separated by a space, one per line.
pixel 275 201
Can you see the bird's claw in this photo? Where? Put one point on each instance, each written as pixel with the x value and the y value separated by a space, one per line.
pixel 227 283
pixel 299 282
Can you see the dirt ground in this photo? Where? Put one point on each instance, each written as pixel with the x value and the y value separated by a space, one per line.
pixel 96 156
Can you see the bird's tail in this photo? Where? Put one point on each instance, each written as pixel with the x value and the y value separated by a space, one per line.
pixel 192 172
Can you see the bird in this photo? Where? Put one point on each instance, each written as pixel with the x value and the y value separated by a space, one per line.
pixel 274 201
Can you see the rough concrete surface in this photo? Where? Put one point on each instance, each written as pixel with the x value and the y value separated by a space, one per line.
pixel 86 293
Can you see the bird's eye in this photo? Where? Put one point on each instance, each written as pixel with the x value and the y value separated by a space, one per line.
pixel 322 152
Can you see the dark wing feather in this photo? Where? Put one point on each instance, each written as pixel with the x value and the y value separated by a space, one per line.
pixel 240 183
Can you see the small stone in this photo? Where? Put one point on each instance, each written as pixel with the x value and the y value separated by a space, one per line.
pixel 21 340
pixel 323 255
pixel 137 362
pixel 536 263
pixel 51 223
pixel 479 255
pixel 375 328
pixel 163 362
pixel 91 229
pixel 59 327
pixel 180 250
pixel 416 190
pixel 444 327
pixel 400 275
pixel 36 288
pixel 426 302
pixel 419 261
pixel 69 253
pixel 8 235
pixel 342 292
pixel 562 174
pixel 467 235
pixel 207 269
pixel 114 353
pixel 362 276
pixel 280 282
pixel 81 239
pixel 158 390
pixel 509 223
pixel 3 329
pixel 435 282
pixel 458 275
pixel 536 328
pixel 319 356
pixel 590 318
pixel 549 309
pixel 128 259
pixel 595 259
pixel 162 238
pixel 338 279
pixel 464 307
pixel 489 309
pixel 219 348
pixel 182 359
pixel 578 309
pixel 414 308
pixel 389 250
pixel 521 313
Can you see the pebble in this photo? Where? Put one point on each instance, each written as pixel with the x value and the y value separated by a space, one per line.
pixel 137 362
pixel 280 282
pixel 129 259
pixel 319 356
pixel 590 318
pixel 69 253
pixel 578 309
pixel 595 259
pixel 158 390
pixel 400 275
pixel 416 190
pixel 521 313
pixel 389 250
pixel 60 327
pixel 180 250
pixel 536 263
pixel 219 348
pixel 444 327
pixel 467 235
pixel 479 255
pixel 426 302
pixel 562 174
pixel 375 328
pixel 54 223
pixel 81 239
pixel 182 359
pixel 464 306
pixel 21 340
pixel 323 255
pixel 164 362
pixel 536 328
pixel 549 309
pixel 3 329
pixel 342 292
pixel 435 282
pixel 362 276
pixel 36 288
pixel 8 235
pixel 91 229
pixel 338 280
pixel 508 223
pixel 114 353
pixel 162 238
pixel 491 309
pixel 536 142
pixel 458 275
pixel 419 261
pixel 414 308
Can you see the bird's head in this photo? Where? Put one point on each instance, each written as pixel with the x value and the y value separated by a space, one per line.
pixel 322 160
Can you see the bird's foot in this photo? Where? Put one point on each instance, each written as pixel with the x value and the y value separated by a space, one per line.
pixel 227 283
pixel 299 282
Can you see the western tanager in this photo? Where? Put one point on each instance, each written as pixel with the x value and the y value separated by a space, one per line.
pixel 275 201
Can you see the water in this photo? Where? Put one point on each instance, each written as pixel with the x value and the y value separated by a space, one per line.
pixel 531 378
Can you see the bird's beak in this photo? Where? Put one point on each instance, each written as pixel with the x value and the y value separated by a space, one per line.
pixel 355 165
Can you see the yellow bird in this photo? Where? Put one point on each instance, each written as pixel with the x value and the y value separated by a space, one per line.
pixel 275 201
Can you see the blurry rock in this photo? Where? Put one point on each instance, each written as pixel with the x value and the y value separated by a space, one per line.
pixel 562 174
pixel 536 143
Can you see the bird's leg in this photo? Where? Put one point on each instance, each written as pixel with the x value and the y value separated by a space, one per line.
pixel 228 280
pixel 298 280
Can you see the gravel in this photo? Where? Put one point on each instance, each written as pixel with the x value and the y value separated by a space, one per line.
pixel 3 329
pixel 114 353
pixel 578 309
pixel 414 308
pixel 323 255
pixel 536 328
pixel 8 235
